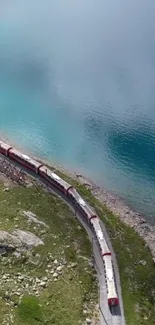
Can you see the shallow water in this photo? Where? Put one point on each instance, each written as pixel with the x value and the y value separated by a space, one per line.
pixel 77 82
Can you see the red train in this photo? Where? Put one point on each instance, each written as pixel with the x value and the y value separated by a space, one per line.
pixel 85 210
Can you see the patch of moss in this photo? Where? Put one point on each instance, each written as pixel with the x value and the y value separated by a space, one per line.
pixel 29 311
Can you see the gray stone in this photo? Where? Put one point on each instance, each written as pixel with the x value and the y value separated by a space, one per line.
pixel 60 267
pixel 55 275
pixel 73 265
pixel 6 189
pixel 33 218
pixel 52 271
pixel 142 262
pixel 84 311
pixel 43 284
pixel 55 262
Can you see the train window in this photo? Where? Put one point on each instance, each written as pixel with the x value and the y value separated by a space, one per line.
pixel 73 198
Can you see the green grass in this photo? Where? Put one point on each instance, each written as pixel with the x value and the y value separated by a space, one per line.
pixel 137 281
pixel 59 302
pixel 30 311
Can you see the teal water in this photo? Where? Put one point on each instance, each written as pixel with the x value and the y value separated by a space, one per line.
pixel 77 85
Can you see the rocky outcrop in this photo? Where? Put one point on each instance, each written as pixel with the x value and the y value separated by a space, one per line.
pixel 19 239
pixel 33 218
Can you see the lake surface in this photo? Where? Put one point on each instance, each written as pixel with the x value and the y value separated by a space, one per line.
pixel 77 85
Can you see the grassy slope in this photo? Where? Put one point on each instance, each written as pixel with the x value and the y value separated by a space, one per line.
pixel 138 281
pixel 62 302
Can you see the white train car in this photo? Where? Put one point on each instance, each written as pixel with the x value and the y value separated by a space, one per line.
pixel 100 238
pixel 111 285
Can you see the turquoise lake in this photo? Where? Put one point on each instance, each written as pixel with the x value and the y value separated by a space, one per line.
pixel 77 86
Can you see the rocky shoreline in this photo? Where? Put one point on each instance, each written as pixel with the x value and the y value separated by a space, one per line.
pixel 115 204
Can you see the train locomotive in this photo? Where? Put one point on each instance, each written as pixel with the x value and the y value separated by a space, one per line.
pixel 77 201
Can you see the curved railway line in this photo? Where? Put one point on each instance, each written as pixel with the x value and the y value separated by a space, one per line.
pixel 111 305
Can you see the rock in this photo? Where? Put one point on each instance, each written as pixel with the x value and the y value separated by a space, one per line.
pixel 4 277
pixel 142 262
pixel 34 289
pixel 55 262
pixel 6 189
pixel 33 218
pixel 55 275
pixel 17 293
pixel 27 238
pixel 84 311
pixel 73 265
pixel 52 271
pixel 18 239
pixel 59 268
pixel 21 278
pixel 43 232
pixel 88 320
pixel 43 284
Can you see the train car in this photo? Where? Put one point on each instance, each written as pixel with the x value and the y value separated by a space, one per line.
pixel 104 249
pixel 110 281
pixel 81 205
pixel 24 160
pixel 54 179
pixel 4 147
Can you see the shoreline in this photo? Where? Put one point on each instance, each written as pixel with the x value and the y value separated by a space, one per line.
pixel 113 203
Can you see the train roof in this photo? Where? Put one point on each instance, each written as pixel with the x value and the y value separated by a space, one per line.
pixel 78 197
pixel 25 157
pixel 84 204
pixel 109 274
pixel 53 175
pixel 100 236
pixel 5 145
